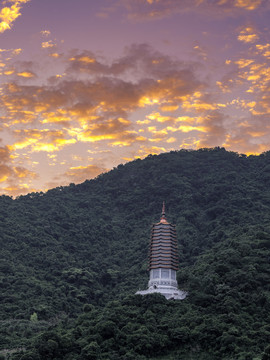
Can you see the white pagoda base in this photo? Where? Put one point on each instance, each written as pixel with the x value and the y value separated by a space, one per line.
pixel 168 292
pixel 163 281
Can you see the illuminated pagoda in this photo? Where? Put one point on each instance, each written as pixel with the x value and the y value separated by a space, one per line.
pixel 163 261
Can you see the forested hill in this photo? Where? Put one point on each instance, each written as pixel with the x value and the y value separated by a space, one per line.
pixel 72 259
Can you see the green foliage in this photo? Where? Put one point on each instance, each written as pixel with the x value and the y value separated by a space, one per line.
pixel 75 255
pixel 34 317
pixel 266 354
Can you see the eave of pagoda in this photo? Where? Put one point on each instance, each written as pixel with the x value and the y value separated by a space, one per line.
pixel 163 251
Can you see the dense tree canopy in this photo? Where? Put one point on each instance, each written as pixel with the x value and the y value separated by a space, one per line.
pixel 72 259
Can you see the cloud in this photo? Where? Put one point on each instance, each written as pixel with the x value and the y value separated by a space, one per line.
pixel 138 60
pixel 11 52
pixel 200 51
pixel 26 74
pixel 209 127
pixel 146 150
pixel 45 33
pixel 97 106
pixel 6 56
pixel 248 4
pixel 22 172
pixel 264 49
pixel 139 102
pixel 9 14
pixel 78 174
pixel 254 74
pixel 20 69
pixel 12 177
pixel 248 34
pixel 242 63
pixel 25 104
pixel 250 133
pixel 251 137
pixel 155 9
pixel 93 104
pixel 115 131
pixel 5 169
pixel 4 154
pixel 48 44
pixel 41 140
pixel 214 132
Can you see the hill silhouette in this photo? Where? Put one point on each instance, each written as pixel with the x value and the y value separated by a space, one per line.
pixel 73 257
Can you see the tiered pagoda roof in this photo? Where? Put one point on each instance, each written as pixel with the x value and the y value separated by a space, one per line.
pixel 163 252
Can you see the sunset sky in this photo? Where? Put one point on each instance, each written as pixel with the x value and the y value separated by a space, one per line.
pixel 88 84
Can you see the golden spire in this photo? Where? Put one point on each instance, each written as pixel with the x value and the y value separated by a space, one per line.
pixel 163 216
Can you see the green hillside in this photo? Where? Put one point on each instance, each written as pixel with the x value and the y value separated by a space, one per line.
pixel 72 259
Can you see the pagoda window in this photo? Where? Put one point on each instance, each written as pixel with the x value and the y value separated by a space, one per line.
pixel 156 273
pixel 165 273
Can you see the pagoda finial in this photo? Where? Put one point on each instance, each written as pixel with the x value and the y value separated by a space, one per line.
pixel 163 208
pixel 163 216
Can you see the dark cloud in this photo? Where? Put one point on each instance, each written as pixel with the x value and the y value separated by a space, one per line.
pixel 214 130
pixel 138 60
pixel 4 154
pixel 77 174
pixel 5 172
pixel 80 173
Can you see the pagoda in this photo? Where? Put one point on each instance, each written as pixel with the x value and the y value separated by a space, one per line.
pixel 163 261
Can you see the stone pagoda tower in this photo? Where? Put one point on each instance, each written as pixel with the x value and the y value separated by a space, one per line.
pixel 163 261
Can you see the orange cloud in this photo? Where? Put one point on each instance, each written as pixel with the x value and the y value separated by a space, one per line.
pixel 200 51
pixel 189 128
pixel 212 130
pixel 264 49
pixel 59 116
pixel 243 143
pixel 24 173
pixel 167 107
pixel 9 14
pixel 242 63
pixel 154 9
pixel 113 130
pixel 83 59
pixel 171 140
pixel 26 74
pixel 41 140
pixel 48 44
pixel 156 116
pixel 5 172
pixel 12 177
pixel 257 78
pixel 199 106
pixel 55 55
pixel 9 72
pixel 85 104
pixel 78 174
pixel 146 150
pixel 45 33
pixel 248 34
pixel 86 61
pixel 248 4
pixel 97 106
